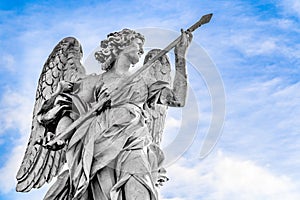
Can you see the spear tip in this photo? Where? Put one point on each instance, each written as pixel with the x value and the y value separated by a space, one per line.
pixel 204 20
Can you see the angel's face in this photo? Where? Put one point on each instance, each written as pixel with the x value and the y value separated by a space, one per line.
pixel 134 51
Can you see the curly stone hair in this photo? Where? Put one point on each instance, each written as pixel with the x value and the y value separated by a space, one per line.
pixel 113 45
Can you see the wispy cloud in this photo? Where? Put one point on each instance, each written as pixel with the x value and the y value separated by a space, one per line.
pixel 261 123
pixel 7 62
pixel 223 176
pixel 8 172
pixel 253 41
pixel 15 111
pixel 15 120
pixel 291 7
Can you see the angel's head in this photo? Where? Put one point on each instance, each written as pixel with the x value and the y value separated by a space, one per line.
pixel 114 44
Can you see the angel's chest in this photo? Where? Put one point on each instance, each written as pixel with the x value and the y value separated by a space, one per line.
pixel 135 92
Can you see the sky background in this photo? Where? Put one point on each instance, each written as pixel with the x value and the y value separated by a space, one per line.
pixel 255 47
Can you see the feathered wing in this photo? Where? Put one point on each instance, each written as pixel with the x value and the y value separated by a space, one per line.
pixel 159 71
pixel 39 164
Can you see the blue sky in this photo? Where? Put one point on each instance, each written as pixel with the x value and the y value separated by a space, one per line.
pixel 254 46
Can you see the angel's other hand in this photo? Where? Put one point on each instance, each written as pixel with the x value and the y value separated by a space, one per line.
pixel 55 145
pixel 50 142
pixel 44 140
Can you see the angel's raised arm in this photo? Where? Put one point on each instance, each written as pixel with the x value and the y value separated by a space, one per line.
pixel 176 95
pixel 180 80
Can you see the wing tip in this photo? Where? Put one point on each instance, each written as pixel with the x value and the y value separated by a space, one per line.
pixel 21 187
pixel 20 174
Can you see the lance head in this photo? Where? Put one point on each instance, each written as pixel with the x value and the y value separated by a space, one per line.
pixel 204 20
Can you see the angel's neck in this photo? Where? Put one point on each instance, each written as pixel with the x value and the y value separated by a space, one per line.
pixel 121 65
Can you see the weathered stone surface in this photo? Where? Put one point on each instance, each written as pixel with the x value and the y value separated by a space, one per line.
pixel 108 133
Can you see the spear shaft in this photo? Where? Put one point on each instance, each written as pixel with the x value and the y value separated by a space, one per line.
pixel 203 20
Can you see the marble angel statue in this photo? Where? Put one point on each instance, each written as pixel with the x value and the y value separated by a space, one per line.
pixel 114 153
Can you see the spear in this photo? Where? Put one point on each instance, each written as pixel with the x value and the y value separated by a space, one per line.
pixel 66 133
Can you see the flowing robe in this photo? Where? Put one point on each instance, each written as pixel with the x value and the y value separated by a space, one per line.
pixel 113 146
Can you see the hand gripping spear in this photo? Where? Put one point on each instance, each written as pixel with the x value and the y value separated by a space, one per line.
pixel 204 19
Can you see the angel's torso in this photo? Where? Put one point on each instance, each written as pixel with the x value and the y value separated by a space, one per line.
pixel 135 92
pixel 92 85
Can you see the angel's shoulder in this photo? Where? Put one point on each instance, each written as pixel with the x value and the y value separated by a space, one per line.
pixel 91 79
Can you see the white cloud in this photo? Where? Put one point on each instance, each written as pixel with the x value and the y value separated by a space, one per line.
pixel 7 61
pixel 245 36
pixel 285 23
pixel 248 43
pixel 8 172
pixel 15 110
pixel 268 100
pixel 171 129
pixel 264 47
pixel 222 177
pixel 291 6
pixel 239 179
pixel 251 45
pixel 261 123
pixel 172 123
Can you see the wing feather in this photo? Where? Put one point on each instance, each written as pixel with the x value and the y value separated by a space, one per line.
pixel 45 170
pixel 39 164
pixel 56 164
pixel 158 112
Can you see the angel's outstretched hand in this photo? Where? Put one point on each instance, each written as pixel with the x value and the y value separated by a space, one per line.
pixel 185 40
